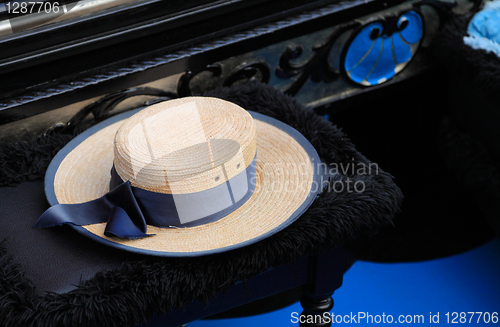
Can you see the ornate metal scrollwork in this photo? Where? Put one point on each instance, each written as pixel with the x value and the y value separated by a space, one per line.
pixel 317 66
pixel 258 70
pixel 104 105
pixel 378 49
pixel 184 87
pixel 250 71
pixel 255 70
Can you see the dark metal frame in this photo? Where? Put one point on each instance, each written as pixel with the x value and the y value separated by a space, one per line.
pixel 130 22
pixel 19 102
pixel 213 50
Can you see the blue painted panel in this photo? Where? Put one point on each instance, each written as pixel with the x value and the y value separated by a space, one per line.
pixel 363 53
pixel 372 57
pixel 402 50
pixel 413 32
pixel 385 68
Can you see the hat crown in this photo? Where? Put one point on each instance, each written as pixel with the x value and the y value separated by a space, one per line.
pixel 185 145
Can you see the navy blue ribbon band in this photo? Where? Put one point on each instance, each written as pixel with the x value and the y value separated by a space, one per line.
pixel 127 209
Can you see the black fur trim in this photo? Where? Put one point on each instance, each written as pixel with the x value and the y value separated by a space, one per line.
pixel 131 294
pixel 469 136
pixel 479 67
pixel 27 160
pixel 17 292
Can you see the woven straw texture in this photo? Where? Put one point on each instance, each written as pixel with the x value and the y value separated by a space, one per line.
pixel 185 145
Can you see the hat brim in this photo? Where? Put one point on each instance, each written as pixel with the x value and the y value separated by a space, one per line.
pixel 288 181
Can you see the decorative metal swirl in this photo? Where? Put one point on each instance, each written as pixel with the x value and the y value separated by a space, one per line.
pixel 102 107
pixel 317 66
pixel 184 87
pixel 258 70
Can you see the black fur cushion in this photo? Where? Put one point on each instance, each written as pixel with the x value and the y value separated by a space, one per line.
pixel 474 67
pixel 470 139
pixel 129 295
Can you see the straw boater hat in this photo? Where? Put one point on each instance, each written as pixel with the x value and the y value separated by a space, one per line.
pixel 188 177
